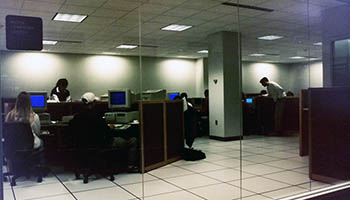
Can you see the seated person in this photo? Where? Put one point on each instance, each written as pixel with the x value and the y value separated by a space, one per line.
pixel 22 112
pixel 95 133
pixel 60 93
pixel 189 121
pixel 290 94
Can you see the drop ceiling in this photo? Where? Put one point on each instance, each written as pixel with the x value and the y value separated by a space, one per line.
pixel 111 23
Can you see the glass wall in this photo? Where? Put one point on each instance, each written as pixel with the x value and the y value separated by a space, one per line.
pixel 190 75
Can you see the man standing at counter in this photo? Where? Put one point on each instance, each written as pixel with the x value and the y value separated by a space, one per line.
pixel 276 92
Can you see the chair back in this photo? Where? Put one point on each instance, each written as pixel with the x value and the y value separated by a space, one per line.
pixel 18 136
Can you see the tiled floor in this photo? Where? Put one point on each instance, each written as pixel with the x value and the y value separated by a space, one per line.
pixel 271 169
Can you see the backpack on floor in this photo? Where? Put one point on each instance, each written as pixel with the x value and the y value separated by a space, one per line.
pixel 192 154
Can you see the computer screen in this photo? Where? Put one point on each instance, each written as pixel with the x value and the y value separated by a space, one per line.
pixel 173 95
pixel 121 98
pixel 38 100
pixel 249 100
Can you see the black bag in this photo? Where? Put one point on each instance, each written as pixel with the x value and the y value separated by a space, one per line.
pixel 192 154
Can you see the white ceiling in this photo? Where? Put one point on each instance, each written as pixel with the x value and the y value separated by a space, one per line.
pixel 113 22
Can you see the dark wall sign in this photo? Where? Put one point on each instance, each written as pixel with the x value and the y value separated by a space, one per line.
pixel 24 33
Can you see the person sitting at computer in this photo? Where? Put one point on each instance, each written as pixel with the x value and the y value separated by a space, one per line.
pixel 22 112
pixel 94 131
pixel 60 93
pixel 189 120
pixel 205 104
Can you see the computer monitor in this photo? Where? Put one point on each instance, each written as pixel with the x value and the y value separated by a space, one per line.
pixel 38 100
pixel 120 98
pixel 152 95
pixel 249 100
pixel 172 95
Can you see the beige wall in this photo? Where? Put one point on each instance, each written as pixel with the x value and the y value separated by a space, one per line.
pixel 95 73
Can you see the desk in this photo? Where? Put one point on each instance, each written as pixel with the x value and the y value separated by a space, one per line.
pixel 160 132
pixel 329 129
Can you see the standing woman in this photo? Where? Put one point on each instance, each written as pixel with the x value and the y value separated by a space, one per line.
pixel 22 112
pixel 60 93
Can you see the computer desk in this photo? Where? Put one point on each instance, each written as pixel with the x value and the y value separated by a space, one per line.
pixel 160 131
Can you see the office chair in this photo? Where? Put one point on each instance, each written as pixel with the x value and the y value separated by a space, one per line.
pixel 90 157
pixel 21 157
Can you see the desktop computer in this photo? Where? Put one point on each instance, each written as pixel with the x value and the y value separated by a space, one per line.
pixel 152 95
pixel 121 117
pixel 39 105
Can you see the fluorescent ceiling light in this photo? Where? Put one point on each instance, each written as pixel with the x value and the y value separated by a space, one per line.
pixel 176 27
pixel 69 17
pixel 270 37
pixel 203 51
pixel 49 42
pixel 297 57
pixel 126 46
pixel 257 54
pixel 318 44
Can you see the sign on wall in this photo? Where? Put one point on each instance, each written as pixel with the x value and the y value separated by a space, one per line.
pixel 24 33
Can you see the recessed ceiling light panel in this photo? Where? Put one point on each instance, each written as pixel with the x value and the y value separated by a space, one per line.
pixel 257 54
pixel 49 42
pixel 270 37
pixel 69 17
pixel 297 57
pixel 176 27
pixel 318 44
pixel 203 51
pixel 126 46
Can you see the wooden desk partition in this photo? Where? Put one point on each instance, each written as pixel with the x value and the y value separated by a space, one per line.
pixel 329 127
pixel 303 123
pixel 162 134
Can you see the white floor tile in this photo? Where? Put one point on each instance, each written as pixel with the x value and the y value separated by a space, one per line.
pixel 170 172
pixel 215 157
pixel 78 185
pixel 283 155
pixel 259 184
pixel 8 195
pixel 181 195
pixel 107 193
pixel 151 188
pixel 235 154
pixel 192 181
pixel 314 185
pixel 58 197
pixel 289 177
pixel 227 175
pixel 39 191
pixel 278 194
pixel 259 158
pixel 260 169
pixel 221 191
pixel 124 179
pixel 303 170
pixel 286 164
pixel 202 167
pixel 255 197
pixel 233 163
pixel 185 162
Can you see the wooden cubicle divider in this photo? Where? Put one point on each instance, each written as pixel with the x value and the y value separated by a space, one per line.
pixel 329 128
pixel 291 114
pixel 303 123
pixel 162 134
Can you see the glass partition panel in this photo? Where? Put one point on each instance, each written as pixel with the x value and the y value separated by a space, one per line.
pixel 190 49
pixel 85 127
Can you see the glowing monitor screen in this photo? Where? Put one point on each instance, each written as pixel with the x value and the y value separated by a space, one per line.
pixel 249 100
pixel 173 95
pixel 118 98
pixel 38 101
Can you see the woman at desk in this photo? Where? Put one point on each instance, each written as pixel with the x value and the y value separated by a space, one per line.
pixel 22 112
pixel 60 93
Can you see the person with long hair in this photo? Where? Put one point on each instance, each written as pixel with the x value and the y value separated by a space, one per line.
pixel 60 93
pixel 22 112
